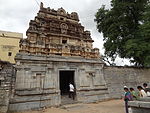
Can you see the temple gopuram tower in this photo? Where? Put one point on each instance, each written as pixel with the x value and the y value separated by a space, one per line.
pixel 57 51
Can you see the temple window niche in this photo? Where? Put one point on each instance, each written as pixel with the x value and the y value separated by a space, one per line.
pixel 61 18
pixel 9 53
pixel 64 41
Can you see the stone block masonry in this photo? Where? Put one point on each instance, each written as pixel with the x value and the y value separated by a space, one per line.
pixel 118 77
pixel 38 81
pixel 58 51
pixel 56 32
pixel 7 82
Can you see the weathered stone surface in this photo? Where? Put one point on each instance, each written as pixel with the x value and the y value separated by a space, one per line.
pixel 58 33
pixel 139 110
pixel 39 87
pixel 118 77
pixel 140 106
pixel 34 86
pixel 55 42
pixel 7 82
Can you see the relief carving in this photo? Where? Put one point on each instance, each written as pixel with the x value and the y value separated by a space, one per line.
pixel 64 28
pixel 61 11
pixel 56 32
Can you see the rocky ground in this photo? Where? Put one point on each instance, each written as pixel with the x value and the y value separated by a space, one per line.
pixel 112 106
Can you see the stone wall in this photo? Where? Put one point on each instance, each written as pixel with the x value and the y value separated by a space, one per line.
pixel 140 106
pixel 38 81
pixel 118 77
pixel 7 81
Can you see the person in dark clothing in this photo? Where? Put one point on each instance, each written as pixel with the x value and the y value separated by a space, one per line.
pixel 127 97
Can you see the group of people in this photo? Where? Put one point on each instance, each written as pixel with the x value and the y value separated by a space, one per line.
pixel 131 94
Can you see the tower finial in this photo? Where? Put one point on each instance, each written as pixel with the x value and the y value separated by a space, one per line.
pixel 41 5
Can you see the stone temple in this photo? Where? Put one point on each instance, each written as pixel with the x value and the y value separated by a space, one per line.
pixel 57 50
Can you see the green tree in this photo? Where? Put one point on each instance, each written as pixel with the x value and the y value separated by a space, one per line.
pixel 126 30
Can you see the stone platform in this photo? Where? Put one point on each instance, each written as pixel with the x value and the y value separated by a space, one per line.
pixel 140 106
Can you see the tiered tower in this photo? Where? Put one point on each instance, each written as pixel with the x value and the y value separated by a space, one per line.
pixel 56 52
pixel 56 32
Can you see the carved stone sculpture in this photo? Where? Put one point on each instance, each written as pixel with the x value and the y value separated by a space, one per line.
pixel 60 29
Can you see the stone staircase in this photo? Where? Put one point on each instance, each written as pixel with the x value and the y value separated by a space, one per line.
pixel 66 100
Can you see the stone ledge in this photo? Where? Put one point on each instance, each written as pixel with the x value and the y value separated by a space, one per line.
pixel 96 89
pixel 31 93
pixel 32 57
pixel 24 99
pixel 139 104
pixel 145 99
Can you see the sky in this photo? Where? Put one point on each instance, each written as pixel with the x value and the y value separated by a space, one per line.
pixel 16 14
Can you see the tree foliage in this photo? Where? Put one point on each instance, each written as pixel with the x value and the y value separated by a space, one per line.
pixel 126 30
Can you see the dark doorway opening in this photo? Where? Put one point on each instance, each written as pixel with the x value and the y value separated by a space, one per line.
pixel 65 77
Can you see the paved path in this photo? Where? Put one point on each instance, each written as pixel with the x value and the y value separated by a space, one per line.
pixel 112 106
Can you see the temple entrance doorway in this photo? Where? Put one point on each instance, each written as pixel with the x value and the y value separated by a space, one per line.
pixel 66 77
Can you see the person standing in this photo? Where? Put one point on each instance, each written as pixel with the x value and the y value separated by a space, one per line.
pixel 142 93
pixel 127 97
pixel 134 94
pixel 146 89
pixel 71 91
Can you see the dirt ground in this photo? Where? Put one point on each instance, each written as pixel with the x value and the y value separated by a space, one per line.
pixel 112 106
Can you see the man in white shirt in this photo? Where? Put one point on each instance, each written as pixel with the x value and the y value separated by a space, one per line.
pixel 146 89
pixel 71 91
pixel 141 91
